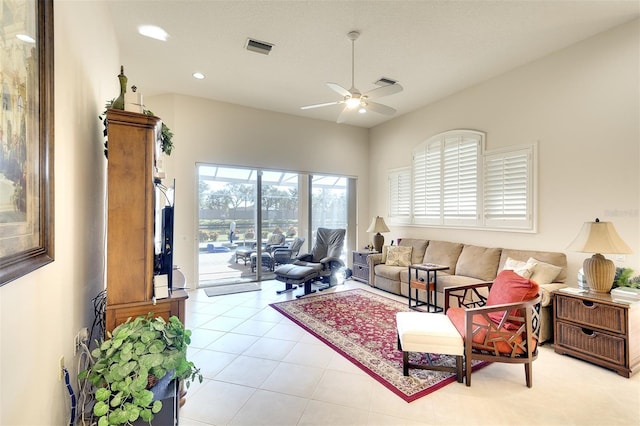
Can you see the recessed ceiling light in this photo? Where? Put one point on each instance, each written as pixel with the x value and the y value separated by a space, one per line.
pixel 26 38
pixel 198 75
pixel 153 31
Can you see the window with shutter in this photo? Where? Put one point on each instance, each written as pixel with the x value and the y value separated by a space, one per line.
pixel 508 191
pixel 400 196
pixel 453 182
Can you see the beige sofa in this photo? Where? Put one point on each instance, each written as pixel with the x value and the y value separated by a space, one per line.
pixel 467 264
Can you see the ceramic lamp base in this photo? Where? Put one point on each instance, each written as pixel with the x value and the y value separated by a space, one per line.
pixel 599 273
pixel 378 242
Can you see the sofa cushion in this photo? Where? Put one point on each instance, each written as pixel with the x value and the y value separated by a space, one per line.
pixel 478 262
pixel 554 258
pixel 544 273
pixel 399 256
pixel 419 247
pixel 385 250
pixel 390 272
pixel 443 253
pixel 509 287
pixel 524 269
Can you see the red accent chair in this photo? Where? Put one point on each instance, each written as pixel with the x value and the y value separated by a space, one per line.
pixel 501 327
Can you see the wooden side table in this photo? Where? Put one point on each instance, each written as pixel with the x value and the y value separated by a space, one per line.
pixel 425 284
pixel 360 265
pixel 596 328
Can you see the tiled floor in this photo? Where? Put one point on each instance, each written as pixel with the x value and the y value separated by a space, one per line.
pixel 262 369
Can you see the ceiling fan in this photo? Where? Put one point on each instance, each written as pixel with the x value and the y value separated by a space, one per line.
pixel 353 99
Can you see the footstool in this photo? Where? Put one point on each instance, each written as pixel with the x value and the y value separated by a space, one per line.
pixel 244 254
pixel 429 333
pixel 267 261
pixel 294 275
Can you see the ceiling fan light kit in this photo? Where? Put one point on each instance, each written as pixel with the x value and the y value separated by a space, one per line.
pixel 353 99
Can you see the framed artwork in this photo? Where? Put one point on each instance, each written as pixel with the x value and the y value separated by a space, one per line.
pixel 26 137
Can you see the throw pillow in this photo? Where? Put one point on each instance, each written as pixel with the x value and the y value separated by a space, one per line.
pixel 544 273
pixel 524 269
pixel 399 255
pixel 509 287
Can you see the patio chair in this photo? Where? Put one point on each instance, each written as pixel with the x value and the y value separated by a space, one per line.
pixel 287 254
pixel 275 240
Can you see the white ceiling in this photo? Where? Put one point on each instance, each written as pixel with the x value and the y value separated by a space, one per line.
pixel 432 48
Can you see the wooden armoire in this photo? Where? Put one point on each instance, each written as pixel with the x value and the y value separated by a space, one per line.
pixel 132 147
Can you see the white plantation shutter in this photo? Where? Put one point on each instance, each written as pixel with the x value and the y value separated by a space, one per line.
pixel 400 195
pixel 427 171
pixel 460 180
pixel 508 190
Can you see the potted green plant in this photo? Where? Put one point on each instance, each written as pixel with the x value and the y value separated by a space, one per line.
pixel 126 365
pixel 166 135
pixel 623 278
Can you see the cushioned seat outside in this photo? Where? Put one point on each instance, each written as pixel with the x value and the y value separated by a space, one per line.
pixel 244 254
pixel 429 333
pixel 267 261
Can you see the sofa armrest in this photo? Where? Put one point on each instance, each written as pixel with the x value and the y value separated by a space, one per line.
pixel 373 260
pixel 467 296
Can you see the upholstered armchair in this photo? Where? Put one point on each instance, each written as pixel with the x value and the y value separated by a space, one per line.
pixel 502 326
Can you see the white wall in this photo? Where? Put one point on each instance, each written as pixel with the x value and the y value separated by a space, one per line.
pixel 581 105
pixel 214 132
pixel 41 312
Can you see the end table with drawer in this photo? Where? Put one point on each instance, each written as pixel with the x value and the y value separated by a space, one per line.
pixel 360 265
pixel 596 328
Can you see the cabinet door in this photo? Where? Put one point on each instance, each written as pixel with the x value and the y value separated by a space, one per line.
pixel 130 250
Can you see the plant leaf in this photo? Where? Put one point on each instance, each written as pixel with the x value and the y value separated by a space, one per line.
pixel 102 394
pixel 100 409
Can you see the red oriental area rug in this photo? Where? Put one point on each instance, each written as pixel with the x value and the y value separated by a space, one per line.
pixel 361 326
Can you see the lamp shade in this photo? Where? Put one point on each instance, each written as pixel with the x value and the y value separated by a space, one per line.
pixel 378 225
pixel 599 237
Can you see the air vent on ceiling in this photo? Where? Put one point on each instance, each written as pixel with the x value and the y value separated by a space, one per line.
pixel 384 81
pixel 259 46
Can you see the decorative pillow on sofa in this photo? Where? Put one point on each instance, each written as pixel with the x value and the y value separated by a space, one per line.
pixel 399 255
pixel 509 287
pixel 544 273
pixel 524 269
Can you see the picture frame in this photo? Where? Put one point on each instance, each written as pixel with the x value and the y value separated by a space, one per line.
pixel 26 138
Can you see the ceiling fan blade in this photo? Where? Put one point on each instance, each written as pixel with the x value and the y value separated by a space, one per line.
pixel 344 114
pixel 379 108
pixel 339 89
pixel 320 105
pixel 383 91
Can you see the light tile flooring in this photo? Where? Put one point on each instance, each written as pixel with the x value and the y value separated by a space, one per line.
pixel 262 369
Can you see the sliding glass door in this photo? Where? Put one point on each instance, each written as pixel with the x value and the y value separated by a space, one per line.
pixel 329 204
pixel 241 209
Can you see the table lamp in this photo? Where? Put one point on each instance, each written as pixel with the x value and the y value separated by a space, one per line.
pixel 378 226
pixel 599 237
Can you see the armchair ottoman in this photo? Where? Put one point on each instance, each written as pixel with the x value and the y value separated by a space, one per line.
pixel 430 333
